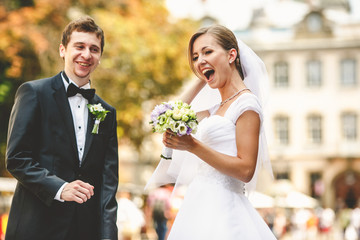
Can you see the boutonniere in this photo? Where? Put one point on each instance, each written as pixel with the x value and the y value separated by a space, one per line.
pixel 100 113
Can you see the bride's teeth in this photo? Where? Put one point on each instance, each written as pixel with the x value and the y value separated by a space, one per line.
pixel 205 71
pixel 84 64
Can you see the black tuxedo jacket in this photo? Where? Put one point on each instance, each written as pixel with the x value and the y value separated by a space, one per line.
pixel 42 155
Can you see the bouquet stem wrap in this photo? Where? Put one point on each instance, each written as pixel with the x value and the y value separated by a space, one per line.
pixel 167 153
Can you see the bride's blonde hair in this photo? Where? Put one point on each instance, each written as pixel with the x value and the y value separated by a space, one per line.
pixel 224 37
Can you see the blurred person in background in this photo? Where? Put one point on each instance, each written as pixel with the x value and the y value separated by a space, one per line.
pixel 352 229
pixel 312 225
pixel 130 219
pixel 299 220
pixel 3 223
pixel 158 210
pixel 326 221
pixel 343 218
pixel 355 220
pixel 67 173
pixel 280 223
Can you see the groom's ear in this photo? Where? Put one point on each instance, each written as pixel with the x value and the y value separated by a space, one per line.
pixel 62 51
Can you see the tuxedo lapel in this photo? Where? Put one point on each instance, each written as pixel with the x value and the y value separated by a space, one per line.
pixel 89 135
pixel 64 108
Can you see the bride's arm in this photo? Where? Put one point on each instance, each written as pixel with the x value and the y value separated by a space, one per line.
pixel 190 93
pixel 241 166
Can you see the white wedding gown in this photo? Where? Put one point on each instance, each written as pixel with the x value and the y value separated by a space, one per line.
pixel 215 207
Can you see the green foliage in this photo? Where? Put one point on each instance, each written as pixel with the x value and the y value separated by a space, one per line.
pixel 145 55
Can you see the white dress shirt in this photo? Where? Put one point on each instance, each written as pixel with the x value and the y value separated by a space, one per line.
pixel 80 113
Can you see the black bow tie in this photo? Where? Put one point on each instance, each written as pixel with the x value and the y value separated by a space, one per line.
pixel 72 90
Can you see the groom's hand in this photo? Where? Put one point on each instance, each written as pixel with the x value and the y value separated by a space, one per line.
pixel 77 191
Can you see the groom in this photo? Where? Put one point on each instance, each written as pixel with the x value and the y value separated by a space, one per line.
pixel 67 175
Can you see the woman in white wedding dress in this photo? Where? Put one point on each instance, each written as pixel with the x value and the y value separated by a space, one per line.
pixel 221 162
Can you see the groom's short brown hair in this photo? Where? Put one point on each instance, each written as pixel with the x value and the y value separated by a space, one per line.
pixel 83 24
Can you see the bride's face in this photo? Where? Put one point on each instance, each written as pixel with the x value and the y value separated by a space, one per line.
pixel 211 61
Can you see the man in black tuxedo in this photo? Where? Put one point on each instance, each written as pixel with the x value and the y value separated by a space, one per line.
pixel 67 175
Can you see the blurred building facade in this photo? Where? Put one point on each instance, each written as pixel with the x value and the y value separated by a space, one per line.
pixel 313 112
pixel 311 50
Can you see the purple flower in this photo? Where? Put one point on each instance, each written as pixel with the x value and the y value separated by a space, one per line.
pixel 189 130
pixel 158 110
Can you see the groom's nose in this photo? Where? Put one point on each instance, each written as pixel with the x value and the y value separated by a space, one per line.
pixel 86 54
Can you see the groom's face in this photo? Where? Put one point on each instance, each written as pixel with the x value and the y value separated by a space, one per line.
pixel 81 55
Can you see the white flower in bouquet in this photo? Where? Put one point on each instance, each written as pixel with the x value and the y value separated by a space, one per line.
pixel 193 125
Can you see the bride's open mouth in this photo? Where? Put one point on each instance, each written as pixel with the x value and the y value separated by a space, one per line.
pixel 208 73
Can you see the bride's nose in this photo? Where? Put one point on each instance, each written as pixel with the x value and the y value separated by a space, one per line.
pixel 201 62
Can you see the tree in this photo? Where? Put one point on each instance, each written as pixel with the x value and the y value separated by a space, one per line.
pixel 23 52
pixel 144 59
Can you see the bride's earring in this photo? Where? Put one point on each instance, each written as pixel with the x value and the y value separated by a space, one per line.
pixel 231 61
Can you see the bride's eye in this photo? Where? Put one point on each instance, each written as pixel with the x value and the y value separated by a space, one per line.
pixel 195 58
pixel 208 52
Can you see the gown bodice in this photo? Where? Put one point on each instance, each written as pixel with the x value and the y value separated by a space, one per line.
pixel 218 132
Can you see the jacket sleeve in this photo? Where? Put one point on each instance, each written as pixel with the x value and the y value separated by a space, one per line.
pixel 22 146
pixel 110 185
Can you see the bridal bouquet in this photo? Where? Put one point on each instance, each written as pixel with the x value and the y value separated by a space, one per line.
pixel 176 116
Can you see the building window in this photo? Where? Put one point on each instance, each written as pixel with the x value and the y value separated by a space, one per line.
pixel 317 185
pixel 282 175
pixel 348 72
pixel 281 74
pixel 314 22
pixel 282 130
pixel 313 73
pixel 349 126
pixel 314 129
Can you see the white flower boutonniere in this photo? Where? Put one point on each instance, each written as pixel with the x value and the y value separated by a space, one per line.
pixel 100 113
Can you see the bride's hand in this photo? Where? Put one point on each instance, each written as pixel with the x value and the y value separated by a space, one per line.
pixel 172 140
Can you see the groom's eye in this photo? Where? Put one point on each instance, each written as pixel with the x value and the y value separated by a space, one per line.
pixel 95 50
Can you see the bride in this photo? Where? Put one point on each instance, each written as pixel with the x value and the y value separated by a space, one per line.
pixel 223 159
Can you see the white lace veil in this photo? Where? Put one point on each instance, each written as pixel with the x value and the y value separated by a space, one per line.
pixel 182 168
